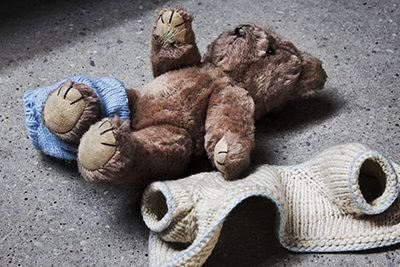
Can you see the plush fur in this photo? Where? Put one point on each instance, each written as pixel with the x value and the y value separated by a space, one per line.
pixel 191 104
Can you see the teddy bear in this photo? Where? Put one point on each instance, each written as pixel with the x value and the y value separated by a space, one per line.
pixel 195 106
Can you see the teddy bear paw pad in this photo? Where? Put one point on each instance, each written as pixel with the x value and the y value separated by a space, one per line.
pixel 63 108
pixel 97 146
pixel 220 152
pixel 171 28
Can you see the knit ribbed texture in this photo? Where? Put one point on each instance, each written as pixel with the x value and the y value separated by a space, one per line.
pixel 321 206
pixel 113 101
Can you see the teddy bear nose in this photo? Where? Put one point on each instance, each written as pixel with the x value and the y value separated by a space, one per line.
pixel 240 31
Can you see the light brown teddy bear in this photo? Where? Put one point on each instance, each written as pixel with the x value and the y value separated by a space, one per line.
pixel 194 107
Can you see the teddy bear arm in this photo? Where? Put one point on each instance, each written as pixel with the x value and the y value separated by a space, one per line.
pixel 173 43
pixel 133 97
pixel 229 137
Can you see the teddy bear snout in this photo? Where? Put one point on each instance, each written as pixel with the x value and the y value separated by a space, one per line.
pixel 239 31
pixel 312 77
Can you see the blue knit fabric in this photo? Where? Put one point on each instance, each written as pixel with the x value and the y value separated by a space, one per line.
pixel 113 101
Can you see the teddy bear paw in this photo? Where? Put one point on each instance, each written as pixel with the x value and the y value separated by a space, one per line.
pixel 106 153
pixel 63 108
pixel 170 28
pixel 69 111
pixel 220 152
pixel 97 146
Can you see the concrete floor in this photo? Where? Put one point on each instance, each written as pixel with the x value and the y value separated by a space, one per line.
pixel 49 216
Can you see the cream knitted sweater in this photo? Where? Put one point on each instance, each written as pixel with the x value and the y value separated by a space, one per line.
pixel 344 199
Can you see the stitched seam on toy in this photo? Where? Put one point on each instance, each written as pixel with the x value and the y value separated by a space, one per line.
pixel 171 93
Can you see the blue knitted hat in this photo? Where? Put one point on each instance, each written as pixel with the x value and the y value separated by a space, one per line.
pixel 113 101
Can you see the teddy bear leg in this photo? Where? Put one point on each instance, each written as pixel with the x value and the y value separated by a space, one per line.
pixel 111 154
pixel 69 111
pixel 173 43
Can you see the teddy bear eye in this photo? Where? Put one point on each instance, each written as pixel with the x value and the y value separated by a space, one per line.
pixel 270 51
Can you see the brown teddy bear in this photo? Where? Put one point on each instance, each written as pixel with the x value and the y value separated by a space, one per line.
pixel 193 106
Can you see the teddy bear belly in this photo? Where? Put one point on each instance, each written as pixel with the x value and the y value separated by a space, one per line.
pixel 171 112
pixel 189 116
pixel 179 98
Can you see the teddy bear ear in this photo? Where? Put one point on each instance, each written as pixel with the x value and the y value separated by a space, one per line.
pixel 312 77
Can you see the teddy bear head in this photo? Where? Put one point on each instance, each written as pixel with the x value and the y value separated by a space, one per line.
pixel 269 66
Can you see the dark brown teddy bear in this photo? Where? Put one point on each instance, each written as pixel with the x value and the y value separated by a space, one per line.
pixel 193 107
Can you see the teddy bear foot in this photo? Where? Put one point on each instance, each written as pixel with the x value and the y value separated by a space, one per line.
pixel 100 142
pixel 173 43
pixel 106 151
pixel 170 28
pixel 70 110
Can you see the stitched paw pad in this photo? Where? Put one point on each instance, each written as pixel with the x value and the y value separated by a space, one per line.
pixel 220 152
pixel 97 146
pixel 170 28
pixel 63 108
pixel 69 111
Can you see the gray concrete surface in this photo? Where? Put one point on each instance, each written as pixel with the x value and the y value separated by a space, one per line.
pixel 49 216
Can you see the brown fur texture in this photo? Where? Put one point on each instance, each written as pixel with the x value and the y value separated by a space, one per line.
pixel 191 105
